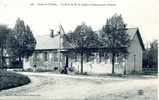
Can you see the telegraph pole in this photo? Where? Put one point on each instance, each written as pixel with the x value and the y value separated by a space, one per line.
pixel 59 50
pixel 60 45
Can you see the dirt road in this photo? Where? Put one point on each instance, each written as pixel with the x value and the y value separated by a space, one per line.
pixel 56 86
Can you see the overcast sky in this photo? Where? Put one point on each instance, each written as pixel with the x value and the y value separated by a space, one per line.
pixel 136 13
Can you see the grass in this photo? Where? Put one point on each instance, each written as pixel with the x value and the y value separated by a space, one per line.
pixel 11 80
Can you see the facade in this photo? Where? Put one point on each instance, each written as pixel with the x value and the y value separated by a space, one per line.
pixel 48 55
pixel 134 59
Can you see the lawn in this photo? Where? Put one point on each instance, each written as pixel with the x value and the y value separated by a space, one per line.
pixel 11 79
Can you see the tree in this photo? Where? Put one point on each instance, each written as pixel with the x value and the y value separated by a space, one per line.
pixel 150 57
pixel 146 57
pixel 114 37
pixel 82 37
pixel 24 40
pixel 153 54
pixel 12 48
pixel 4 30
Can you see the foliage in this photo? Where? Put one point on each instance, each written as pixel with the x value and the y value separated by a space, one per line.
pixel 19 42
pixel 25 41
pixel 82 37
pixel 153 54
pixel 12 44
pixel 4 31
pixel 113 36
pixel 150 56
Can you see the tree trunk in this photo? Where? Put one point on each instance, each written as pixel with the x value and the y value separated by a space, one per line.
pixel 100 58
pixel 124 69
pixel 87 57
pixel 82 61
pixel 20 64
pixel 66 60
pixel 66 66
pixel 113 61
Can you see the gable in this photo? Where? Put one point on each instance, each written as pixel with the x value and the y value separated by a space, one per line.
pixel 140 40
pixel 135 31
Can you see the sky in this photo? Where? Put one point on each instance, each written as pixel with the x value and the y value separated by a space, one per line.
pixel 44 15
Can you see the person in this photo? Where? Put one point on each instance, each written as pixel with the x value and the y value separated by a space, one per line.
pixel 64 70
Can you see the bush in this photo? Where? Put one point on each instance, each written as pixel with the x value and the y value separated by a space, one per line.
pixel 55 68
pixel 150 71
pixel 85 73
pixel 29 70
pixel 11 80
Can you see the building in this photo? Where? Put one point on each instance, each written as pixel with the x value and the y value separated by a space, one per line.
pixel 48 56
pixel 134 59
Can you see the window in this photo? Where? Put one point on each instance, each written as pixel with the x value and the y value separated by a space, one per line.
pixel 35 56
pixel 55 56
pixel 45 56
pixel 52 56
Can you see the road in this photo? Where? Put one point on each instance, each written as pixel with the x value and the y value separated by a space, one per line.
pixel 66 87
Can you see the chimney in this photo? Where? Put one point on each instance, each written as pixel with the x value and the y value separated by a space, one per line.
pixel 52 33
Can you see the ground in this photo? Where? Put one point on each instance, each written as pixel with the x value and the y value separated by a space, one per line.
pixel 57 86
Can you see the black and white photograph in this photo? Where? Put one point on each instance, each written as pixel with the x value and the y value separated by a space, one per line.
pixel 79 49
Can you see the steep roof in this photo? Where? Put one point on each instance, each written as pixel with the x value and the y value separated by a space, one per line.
pixel 46 42
pixel 131 32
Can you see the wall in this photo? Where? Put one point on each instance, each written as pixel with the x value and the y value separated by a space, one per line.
pixel 94 66
pixel 44 60
pixel 134 60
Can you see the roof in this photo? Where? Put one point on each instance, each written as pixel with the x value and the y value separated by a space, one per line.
pixel 131 32
pixel 45 42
